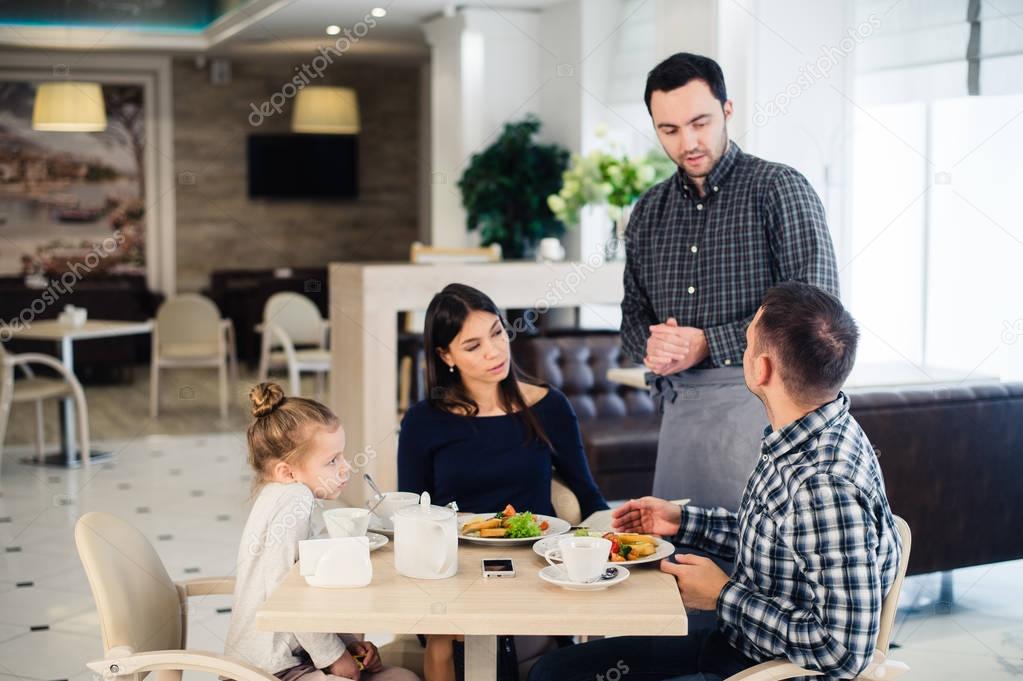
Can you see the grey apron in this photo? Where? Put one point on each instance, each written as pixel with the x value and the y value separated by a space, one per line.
pixel 710 436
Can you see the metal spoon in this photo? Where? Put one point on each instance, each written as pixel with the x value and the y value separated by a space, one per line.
pixel 373 485
pixel 610 573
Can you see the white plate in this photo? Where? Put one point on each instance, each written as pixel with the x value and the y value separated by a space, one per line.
pixel 664 549
pixel 557 527
pixel 376 541
pixel 556 575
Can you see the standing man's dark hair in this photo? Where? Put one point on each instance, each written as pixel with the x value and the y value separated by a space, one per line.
pixel 813 337
pixel 678 69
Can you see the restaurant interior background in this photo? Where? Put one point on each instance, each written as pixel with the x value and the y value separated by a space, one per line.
pixel 206 156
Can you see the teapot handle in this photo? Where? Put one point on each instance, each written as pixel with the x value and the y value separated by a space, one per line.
pixel 447 558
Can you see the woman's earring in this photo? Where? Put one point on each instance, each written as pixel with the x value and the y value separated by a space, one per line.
pixel 451 369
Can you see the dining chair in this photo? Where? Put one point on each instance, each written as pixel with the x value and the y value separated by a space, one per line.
pixel 37 390
pixel 291 320
pixel 880 668
pixel 189 333
pixel 421 254
pixel 143 614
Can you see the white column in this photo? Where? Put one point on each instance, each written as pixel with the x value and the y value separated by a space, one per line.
pixel 485 72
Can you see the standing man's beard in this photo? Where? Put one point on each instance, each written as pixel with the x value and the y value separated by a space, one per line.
pixel 707 161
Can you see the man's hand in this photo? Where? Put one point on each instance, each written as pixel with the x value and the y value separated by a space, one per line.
pixel 648 515
pixel 346 667
pixel 700 580
pixel 371 661
pixel 672 348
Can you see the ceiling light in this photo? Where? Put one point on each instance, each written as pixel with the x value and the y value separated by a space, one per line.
pixel 379 12
pixel 68 106
pixel 326 110
pixel 333 29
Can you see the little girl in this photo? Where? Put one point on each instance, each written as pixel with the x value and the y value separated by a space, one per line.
pixel 296 447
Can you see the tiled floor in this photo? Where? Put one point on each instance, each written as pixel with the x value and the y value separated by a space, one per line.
pixel 188 494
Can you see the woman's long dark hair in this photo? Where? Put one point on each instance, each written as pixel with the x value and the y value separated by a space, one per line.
pixel 444 389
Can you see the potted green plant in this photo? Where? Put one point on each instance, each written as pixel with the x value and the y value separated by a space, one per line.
pixel 505 189
pixel 610 179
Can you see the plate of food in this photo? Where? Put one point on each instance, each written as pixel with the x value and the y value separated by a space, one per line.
pixel 628 548
pixel 509 527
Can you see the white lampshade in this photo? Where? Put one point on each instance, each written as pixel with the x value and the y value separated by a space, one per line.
pixel 329 110
pixel 68 106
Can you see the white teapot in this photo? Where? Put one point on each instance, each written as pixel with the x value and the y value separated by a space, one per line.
pixel 426 540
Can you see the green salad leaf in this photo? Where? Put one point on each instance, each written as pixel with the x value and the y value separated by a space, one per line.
pixel 522 525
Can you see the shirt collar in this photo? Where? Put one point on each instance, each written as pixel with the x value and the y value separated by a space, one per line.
pixel 794 435
pixel 718 174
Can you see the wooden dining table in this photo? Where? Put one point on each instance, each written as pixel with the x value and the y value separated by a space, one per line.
pixel 647 603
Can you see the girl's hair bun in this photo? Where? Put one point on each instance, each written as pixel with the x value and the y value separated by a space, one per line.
pixel 265 397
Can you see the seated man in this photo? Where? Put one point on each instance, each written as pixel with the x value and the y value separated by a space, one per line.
pixel 814 541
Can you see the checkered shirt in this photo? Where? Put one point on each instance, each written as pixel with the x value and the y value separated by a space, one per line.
pixel 815 545
pixel 707 261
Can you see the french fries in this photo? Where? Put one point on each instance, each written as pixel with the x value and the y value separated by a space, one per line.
pixel 480 525
pixel 627 546
pixel 494 532
pixel 628 538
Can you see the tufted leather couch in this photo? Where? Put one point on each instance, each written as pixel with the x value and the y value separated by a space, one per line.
pixel 953 461
pixel 952 456
pixel 619 424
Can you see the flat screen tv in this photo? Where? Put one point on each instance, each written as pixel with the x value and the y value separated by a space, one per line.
pixel 302 166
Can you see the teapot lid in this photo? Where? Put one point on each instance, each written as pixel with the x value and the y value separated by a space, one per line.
pixel 424 511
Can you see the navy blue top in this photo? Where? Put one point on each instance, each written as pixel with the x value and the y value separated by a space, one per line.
pixel 484 462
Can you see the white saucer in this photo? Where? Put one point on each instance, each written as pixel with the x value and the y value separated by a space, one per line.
pixel 556 575
pixel 374 526
pixel 376 541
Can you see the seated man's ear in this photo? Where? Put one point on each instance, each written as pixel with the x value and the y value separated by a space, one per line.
pixel 763 370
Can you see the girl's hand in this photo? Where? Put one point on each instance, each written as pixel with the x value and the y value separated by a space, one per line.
pixel 371 661
pixel 346 667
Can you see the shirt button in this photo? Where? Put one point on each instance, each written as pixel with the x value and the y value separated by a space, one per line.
pixel 765 457
pixel 692 289
pixel 699 206
pixel 728 362
pixel 693 249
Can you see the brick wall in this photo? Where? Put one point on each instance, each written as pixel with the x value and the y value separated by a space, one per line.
pixel 218 226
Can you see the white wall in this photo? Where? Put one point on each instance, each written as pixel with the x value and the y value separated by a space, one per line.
pixel 786 108
pixel 485 71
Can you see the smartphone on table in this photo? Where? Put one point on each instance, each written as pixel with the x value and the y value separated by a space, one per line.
pixel 498 567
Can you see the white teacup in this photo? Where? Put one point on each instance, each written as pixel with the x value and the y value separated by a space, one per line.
pixel 583 558
pixel 346 522
pixel 391 502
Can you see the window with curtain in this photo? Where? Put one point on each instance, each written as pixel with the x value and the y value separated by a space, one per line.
pixel 937 233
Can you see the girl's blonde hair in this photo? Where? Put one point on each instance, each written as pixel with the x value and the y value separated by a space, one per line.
pixel 283 427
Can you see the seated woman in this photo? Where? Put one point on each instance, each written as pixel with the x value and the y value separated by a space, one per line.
pixel 485 436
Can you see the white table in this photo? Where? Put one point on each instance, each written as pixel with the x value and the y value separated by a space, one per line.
pixel 65 335
pixel 648 603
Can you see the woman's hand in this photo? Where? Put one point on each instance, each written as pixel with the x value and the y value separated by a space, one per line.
pixel 648 515
pixel 346 667
pixel 371 655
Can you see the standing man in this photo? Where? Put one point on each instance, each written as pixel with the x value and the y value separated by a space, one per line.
pixel 702 249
